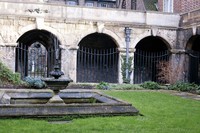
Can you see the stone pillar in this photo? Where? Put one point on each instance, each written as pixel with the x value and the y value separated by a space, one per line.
pixel 121 52
pixel 178 62
pixel 128 4
pixel 7 56
pixel 68 63
pixel 81 2
pixel 73 63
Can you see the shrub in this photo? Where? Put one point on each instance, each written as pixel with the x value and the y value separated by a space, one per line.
pixel 150 85
pixel 181 86
pixel 167 73
pixel 126 87
pixel 103 85
pixel 7 76
pixel 35 82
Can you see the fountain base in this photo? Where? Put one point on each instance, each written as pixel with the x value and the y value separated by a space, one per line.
pixel 32 103
pixel 56 100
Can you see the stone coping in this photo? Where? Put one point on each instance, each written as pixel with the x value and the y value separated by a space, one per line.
pixel 107 106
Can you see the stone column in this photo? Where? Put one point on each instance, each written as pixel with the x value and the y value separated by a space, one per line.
pixel 7 55
pixel 178 61
pixel 121 52
pixel 81 2
pixel 72 63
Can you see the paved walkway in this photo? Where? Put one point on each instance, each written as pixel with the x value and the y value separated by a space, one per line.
pixel 188 95
pixel 183 94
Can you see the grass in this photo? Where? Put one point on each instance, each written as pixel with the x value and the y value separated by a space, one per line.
pixel 162 112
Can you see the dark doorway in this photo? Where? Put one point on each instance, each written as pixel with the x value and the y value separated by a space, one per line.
pixel 97 59
pixel 149 52
pixel 35 53
pixel 194 59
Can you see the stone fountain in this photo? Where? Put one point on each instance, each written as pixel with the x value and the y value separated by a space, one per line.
pixel 36 103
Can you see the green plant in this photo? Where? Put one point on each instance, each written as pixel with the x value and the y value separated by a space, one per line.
pixel 35 82
pixel 125 87
pixel 103 85
pixel 150 85
pixel 181 86
pixel 7 76
pixel 125 66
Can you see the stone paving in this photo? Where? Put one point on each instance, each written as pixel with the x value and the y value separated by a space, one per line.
pixel 183 94
pixel 187 95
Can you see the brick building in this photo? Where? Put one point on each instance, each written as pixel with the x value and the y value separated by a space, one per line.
pixel 178 6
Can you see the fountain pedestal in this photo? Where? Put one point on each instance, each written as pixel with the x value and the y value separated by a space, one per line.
pixel 56 85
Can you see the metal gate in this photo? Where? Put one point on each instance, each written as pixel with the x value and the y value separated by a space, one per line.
pixel 194 67
pixel 35 60
pixel 146 65
pixel 97 65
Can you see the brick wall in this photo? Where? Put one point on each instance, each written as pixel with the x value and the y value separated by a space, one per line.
pixel 182 5
pixel 160 5
pixel 177 6
pixel 188 5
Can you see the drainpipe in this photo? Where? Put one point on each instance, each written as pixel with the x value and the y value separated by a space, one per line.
pixel 127 32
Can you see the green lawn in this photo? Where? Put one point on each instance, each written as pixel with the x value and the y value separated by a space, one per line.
pixel 162 112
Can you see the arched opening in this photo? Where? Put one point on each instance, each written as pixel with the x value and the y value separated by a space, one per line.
pixel 97 59
pixel 150 53
pixel 36 53
pixel 193 48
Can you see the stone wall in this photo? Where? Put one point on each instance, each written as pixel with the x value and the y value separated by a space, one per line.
pixel 71 24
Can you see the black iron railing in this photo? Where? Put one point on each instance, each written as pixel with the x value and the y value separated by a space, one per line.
pixel 97 65
pixel 146 65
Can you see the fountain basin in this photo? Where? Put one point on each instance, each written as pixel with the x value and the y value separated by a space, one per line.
pixel 24 103
pixel 57 84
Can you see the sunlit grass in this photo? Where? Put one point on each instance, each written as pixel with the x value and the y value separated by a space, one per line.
pixel 162 112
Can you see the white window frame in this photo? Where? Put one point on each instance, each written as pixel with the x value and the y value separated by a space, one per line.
pixel 168 5
pixel 71 3
pixel 89 4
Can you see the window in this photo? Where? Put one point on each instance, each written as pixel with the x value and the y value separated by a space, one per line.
pixel 71 3
pixel 89 4
pixel 108 5
pixel 134 3
pixel 168 5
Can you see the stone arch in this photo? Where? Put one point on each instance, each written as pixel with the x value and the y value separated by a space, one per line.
pixel 36 53
pixel 150 52
pixel 97 56
pixel 193 59
pixel 30 27
pixel 118 41
pixel 158 37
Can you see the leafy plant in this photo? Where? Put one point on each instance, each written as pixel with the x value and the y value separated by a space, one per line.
pixel 35 82
pixel 126 87
pixel 125 66
pixel 103 85
pixel 7 76
pixel 150 85
pixel 181 86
